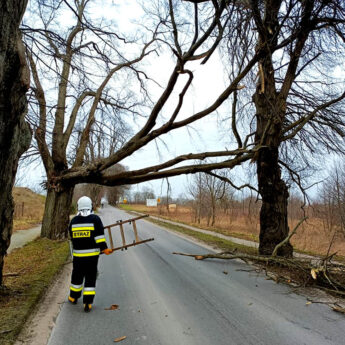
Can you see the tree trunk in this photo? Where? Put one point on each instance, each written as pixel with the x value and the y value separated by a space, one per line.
pixel 56 213
pixel 208 218
pixel 273 214
pixel 273 190
pixel 15 133
pixel 199 210
pixel 213 212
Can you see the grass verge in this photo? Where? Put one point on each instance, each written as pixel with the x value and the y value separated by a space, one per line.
pixel 243 236
pixel 127 207
pixel 24 224
pixel 28 272
pixel 210 240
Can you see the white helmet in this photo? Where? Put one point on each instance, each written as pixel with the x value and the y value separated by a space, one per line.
pixel 84 203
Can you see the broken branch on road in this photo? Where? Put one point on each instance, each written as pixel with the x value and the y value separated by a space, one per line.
pixel 306 271
pixel 119 339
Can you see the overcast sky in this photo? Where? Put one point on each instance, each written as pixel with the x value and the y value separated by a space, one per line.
pixel 207 84
pixel 206 135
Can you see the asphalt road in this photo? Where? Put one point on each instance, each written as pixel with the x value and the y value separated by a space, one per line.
pixel 174 300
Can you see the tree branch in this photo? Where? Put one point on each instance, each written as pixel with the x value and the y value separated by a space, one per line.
pixel 287 239
pixel 91 118
pixel 233 120
pixel 41 130
pixel 58 154
pixel 73 116
pixel 298 125
pixel 225 179
pixel 89 175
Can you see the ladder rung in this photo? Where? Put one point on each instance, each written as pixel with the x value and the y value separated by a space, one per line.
pixel 133 244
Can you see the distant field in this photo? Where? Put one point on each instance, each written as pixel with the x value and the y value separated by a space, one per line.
pixel 29 208
pixel 311 236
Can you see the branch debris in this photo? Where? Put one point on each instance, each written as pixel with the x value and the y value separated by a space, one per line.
pixel 302 271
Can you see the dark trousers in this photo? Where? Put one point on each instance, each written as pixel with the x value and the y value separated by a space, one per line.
pixel 84 268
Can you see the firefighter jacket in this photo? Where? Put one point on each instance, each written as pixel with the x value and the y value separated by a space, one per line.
pixel 87 235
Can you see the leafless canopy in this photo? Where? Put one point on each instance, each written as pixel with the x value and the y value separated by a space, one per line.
pixel 302 44
pixel 192 30
pixel 87 58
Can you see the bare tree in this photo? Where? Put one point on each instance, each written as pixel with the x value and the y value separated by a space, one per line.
pixel 288 102
pixel 282 42
pixel 15 134
pixel 205 38
pixel 139 197
pixel 333 199
pixel 208 190
pixel 64 160
pixel 216 190
pixel 196 189
pixel 77 125
pixel 292 105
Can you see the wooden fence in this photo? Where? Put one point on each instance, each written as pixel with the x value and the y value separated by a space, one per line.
pixel 19 210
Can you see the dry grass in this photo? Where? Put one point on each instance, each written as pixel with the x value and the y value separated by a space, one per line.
pixel 29 208
pixel 210 240
pixel 311 237
pixel 28 272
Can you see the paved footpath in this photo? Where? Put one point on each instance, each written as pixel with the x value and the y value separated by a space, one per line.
pixel 20 237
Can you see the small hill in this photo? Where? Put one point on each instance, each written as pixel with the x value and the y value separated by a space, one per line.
pixel 29 208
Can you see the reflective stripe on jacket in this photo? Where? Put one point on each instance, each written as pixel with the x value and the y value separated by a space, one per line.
pixel 86 252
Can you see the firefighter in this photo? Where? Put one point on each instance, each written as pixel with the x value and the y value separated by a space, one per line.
pixel 87 234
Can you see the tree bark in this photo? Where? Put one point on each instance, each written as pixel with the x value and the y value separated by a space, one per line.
pixel 273 214
pixel 273 190
pixel 15 133
pixel 56 213
pixel 270 113
pixel 213 210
